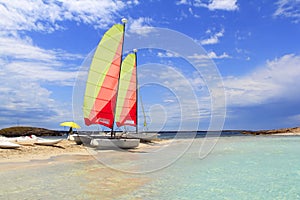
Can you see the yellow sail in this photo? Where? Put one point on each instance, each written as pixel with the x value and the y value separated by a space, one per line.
pixel 126 110
pixel 101 87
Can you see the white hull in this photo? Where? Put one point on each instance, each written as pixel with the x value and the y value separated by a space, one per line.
pixel 47 142
pixel 9 145
pixel 143 136
pixel 115 143
pixel 82 139
pixel 26 140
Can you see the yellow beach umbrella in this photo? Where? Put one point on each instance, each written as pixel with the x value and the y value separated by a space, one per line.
pixel 70 124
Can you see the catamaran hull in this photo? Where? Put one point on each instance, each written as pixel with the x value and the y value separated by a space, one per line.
pixel 82 139
pixel 148 137
pixel 115 143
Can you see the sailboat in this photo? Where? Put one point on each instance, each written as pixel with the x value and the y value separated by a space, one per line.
pixel 111 89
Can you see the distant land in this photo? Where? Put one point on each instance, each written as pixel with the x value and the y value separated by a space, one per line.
pixel 17 131
pixel 273 131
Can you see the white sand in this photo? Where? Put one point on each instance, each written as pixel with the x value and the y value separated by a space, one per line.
pixel 38 152
pixel 286 134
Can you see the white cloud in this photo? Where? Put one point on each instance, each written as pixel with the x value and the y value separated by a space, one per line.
pixel 41 72
pixel 169 100
pixel 132 2
pixel 26 71
pixel 278 79
pixel 26 102
pixel 38 15
pixel 228 5
pixel 140 26
pixel 199 57
pixel 289 9
pixel 214 39
pixel 28 15
pixel 203 58
pixel 213 55
pixel 91 12
pixel 167 54
pixel 223 5
pixel 19 48
pixel 21 58
pixel 193 14
pixel 182 2
pixel 190 9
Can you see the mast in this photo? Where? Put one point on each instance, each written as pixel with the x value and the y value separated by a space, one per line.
pixel 112 134
pixel 137 89
pixel 143 110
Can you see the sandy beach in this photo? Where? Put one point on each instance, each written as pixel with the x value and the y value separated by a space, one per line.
pixel 38 163
pixel 65 147
pixel 286 134
pixel 29 152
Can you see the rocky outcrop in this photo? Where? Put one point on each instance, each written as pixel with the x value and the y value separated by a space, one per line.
pixel 27 131
pixel 274 131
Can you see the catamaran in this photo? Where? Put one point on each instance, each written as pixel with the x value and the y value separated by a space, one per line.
pixel 111 89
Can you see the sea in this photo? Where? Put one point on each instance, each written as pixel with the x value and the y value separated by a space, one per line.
pixel 230 166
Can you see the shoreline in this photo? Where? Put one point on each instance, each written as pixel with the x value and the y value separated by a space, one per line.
pixel 28 153
pixel 286 134
pixel 40 132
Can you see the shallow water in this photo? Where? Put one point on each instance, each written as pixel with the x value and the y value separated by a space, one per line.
pixel 237 168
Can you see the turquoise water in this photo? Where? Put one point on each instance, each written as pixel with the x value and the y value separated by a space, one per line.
pixel 237 168
pixel 42 180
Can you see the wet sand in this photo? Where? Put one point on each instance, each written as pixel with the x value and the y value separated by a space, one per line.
pixel 70 171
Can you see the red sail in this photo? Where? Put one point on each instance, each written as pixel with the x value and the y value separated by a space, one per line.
pixel 101 87
pixel 126 110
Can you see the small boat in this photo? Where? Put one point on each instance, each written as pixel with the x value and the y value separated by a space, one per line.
pixel 26 140
pixel 47 142
pixel 115 143
pixel 8 145
pixel 82 139
pixel 147 137
pixel 111 89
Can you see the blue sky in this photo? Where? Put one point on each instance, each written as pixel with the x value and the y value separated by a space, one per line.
pixel 254 44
